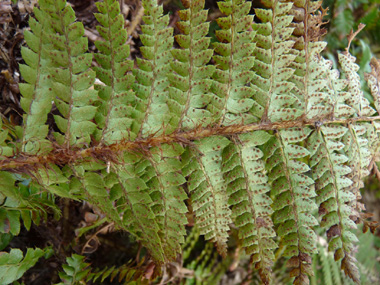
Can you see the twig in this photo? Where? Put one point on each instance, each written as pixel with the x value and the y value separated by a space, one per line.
pixel 94 236
pixel 136 21
pixel 352 35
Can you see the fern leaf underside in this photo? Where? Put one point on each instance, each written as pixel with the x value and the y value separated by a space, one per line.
pixel 268 137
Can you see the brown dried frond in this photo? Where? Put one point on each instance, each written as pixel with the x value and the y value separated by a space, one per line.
pixel 315 30
pixel 351 37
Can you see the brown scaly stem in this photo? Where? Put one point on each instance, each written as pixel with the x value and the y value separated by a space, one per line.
pixel 62 156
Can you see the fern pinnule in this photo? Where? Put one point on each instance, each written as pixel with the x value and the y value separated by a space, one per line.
pixel 334 197
pixel 233 102
pixel 70 73
pixel 247 187
pixel 310 77
pixel 274 55
pixel 294 200
pixel 373 80
pixel 161 171
pixel 37 94
pixel 134 203
pixel 356 100
pixel 191 81
pixel 115 111
pixel 152 82
pixel 203 166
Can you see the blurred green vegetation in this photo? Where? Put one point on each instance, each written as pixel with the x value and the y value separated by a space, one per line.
pixel 344 15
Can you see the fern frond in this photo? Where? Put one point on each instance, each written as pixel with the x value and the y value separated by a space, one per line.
pixel 329 268
pixel 14 264
pixel 191 81
pixel 326 266
pixel 22 202
pixel 207 268
pixel 77 270
pixel 335 270
pixel 190 242
pixel 261 133
pixel 125 273
pixel 243 168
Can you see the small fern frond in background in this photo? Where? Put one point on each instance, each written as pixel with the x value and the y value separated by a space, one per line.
pixel 206 267
pixel 21 201
pixel 76 271
pixel 14 264
pixel 328 270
